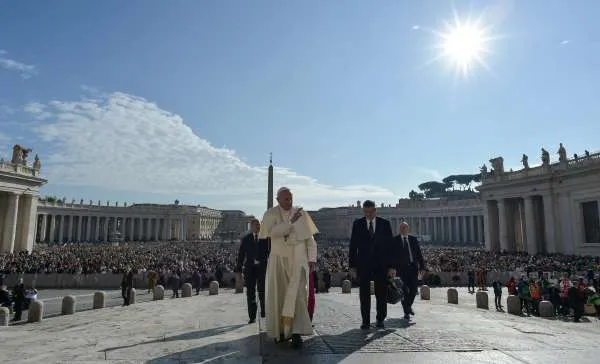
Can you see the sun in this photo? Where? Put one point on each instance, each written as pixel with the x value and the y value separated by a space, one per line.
pixel 464 45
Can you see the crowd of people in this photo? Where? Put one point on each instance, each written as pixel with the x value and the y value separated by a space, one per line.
pixel 210 256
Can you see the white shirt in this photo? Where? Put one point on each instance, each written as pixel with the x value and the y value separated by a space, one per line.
pixel 407 243
pixel 374 223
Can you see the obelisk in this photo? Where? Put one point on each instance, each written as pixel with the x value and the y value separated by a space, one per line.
pixel 270 182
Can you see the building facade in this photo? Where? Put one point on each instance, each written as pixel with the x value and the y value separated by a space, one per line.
pixel 551 208
pixel 20 183
pixel 60 222
pixel 436 220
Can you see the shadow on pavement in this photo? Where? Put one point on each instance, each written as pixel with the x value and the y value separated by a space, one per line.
pixel 244 350
pixel 194 335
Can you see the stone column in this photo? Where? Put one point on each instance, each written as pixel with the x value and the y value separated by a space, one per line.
pixel 502 225
pixel 435 228
pixel 530 233
pixel 97 229
pixel 114 226
pixel 105 229
pixel 10 223
pixel 550 233
pixel 566 243
pixel 457 228
pixel 43 227
pixel 156 229
pixel 490 224
pixel 131 229
pixel 61 229
pixel 88 228
pixel 52 231
pixel 184 228
pixel 443 228
pixel 139 229
pixel 481 228
pixel 168 228
pixel 70 229
pixel 450 229
pixel 26 238
pixel 148 229
pixel 472 221
pixel 465 229
pixel 79 228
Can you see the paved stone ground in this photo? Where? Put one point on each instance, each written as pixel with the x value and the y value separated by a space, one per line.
pixel 438 333
pixel 213 329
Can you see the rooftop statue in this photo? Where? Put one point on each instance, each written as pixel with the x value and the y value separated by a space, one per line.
pixel 545 157
pixel 19 155
pixel 497 165
pixel 525 161
pixel 483 169
pixel 587 153
pixel 37 165
pixel 562 153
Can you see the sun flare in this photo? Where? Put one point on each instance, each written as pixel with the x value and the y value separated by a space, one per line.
pixel 464 45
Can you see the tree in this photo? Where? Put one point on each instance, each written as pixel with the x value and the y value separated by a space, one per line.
pixel 414 195
pixel 51 199
pixel 462 180
pixel 432 188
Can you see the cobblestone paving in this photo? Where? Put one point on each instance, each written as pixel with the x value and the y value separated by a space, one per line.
pixel 462 331
pixel 214 329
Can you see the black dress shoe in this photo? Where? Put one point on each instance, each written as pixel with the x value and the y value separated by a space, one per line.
pixel 251 321
pixel 407 317
pixel 411 312
pixel 365 327
pixel 380 325
pixel 296 341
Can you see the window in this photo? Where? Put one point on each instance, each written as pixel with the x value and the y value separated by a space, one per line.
pixel 591 222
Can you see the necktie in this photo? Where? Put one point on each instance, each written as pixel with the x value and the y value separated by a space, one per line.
pixel 407 246
pixel 371 232
pixel 255 237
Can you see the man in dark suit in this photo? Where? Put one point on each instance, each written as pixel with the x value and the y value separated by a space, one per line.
pixel 409 262
pixel 370 248
pixel 252 260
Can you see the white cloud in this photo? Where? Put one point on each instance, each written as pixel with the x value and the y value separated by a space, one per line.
pixel 566 41
pixel 38 110
pixel 26 70
pixel 125 142
pixel 415 27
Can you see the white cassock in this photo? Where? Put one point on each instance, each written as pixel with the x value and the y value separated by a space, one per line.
pixel 287 271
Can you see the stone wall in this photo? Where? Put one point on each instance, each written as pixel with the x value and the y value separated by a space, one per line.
pixel 113 281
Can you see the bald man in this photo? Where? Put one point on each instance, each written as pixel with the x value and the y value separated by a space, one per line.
pixel 409 262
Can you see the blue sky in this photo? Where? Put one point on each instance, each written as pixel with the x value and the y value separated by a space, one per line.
pixel 152 100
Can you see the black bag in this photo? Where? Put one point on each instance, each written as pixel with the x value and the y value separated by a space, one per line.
pixel 395 290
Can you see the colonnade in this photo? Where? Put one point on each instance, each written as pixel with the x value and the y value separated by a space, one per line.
pixel 459 228
pixel 523 224
pixel 17 216
pixel 56 228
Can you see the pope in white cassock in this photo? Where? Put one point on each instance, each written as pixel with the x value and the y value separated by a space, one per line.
pixel 293 256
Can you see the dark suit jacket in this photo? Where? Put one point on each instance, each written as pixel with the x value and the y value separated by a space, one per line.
pixel 371 253
pixel 251 250
pixel 402 255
